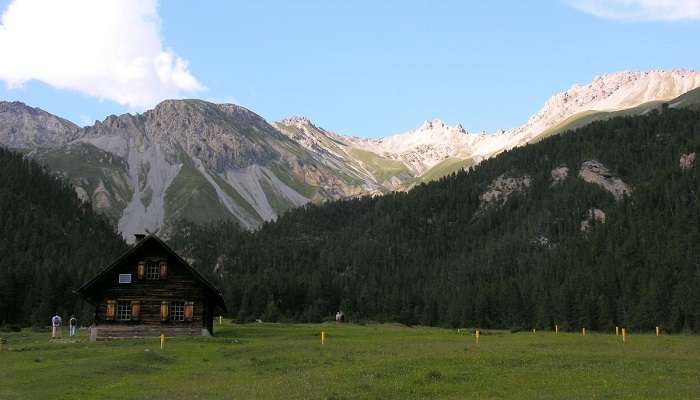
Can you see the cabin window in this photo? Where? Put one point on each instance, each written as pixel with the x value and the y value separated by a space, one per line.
pixel 177 311
pixel 124 311
pixel 152 271
pixel 124 278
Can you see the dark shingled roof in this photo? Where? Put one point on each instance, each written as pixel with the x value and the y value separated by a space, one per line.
pixel 214 292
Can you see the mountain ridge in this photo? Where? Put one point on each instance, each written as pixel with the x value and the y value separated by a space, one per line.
pixel 192 159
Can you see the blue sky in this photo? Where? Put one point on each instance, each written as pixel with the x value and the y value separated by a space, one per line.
pixel 368 68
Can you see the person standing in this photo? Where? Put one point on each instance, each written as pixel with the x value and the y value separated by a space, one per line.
pixel 56 326
pixel 73 325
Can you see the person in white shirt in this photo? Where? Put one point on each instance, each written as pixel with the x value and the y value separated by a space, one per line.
pixel 56 326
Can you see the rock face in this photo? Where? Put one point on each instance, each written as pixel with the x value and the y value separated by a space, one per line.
pixel 502 188
pixel 687 161
pixel 559 174
pixel 596 173
pixel 23 127
pixel 593 215
pixel 190 159
pixel 185 159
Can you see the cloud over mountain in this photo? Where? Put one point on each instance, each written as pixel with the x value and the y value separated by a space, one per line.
pixel 109 49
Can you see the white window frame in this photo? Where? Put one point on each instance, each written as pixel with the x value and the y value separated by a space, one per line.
pixel 124 279
pixel 123 311
pixel 177 311
pixel 152 271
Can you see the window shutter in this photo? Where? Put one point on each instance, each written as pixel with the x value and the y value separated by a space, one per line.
pixel 189 311
pixel 141 270
pixel 163 270
pixel 163 310
pixel 136 310
pixel 111 308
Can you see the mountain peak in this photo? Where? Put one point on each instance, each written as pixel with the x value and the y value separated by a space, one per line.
pixel 297 120
pixel 437 125
pixel 611 92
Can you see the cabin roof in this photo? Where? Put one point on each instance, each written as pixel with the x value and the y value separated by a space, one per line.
pixel 213 291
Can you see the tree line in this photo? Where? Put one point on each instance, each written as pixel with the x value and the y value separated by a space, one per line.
pixel 428 257
pixel 50 242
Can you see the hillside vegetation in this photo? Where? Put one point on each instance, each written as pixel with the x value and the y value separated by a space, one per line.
pixel 50 244
pixel 555 251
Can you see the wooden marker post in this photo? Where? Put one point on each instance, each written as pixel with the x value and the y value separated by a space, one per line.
pixel 583 331
pixel 534 330
pixel 323 337
pixel 617 331
pixel 556 329
pixel 477 336
pixel 162 341
pixel 220 319
pixel 624 339
pixel 658 331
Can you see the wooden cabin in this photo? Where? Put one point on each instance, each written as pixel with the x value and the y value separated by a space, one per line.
pixel 150 291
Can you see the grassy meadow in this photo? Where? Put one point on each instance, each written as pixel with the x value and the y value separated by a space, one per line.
pixel 287 361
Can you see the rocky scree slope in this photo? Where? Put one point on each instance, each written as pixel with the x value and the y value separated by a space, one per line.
pixel 190 159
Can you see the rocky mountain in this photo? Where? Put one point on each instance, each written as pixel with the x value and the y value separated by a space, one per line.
pixel 194 160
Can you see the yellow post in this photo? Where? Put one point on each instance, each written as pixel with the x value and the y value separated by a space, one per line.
pixel 323 337
pixel 583 331
pixel 617 331
pixel 477 336
pixel 658 331
pixel 162 341
pixel 623 335
pixel 556 329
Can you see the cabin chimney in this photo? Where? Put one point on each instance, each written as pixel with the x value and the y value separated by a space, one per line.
pixel 139 237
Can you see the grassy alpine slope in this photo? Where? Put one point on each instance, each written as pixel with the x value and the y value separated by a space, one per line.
pixel 260 361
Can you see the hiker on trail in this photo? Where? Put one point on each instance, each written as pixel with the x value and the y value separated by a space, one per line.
pixel 56 326
pixel 73 324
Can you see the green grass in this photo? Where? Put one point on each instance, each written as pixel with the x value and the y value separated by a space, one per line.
pixel 381 168
pixel 446 167
pixel 286 176
pixel 191 196
pixel 87 166
pixel 259 361
pixel 688 100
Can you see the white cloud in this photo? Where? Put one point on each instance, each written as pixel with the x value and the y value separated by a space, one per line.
pixel 109 49
pixel 641 10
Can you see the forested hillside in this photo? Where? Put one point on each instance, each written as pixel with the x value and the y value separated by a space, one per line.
pixel 526 239
pixel 50 244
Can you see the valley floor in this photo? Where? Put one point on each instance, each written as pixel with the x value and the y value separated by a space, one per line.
pixel 286 361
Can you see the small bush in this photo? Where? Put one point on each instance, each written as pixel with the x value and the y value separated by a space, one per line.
pixel 10 328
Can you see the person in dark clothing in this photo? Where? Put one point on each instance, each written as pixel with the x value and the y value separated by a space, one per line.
pixel 73 325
